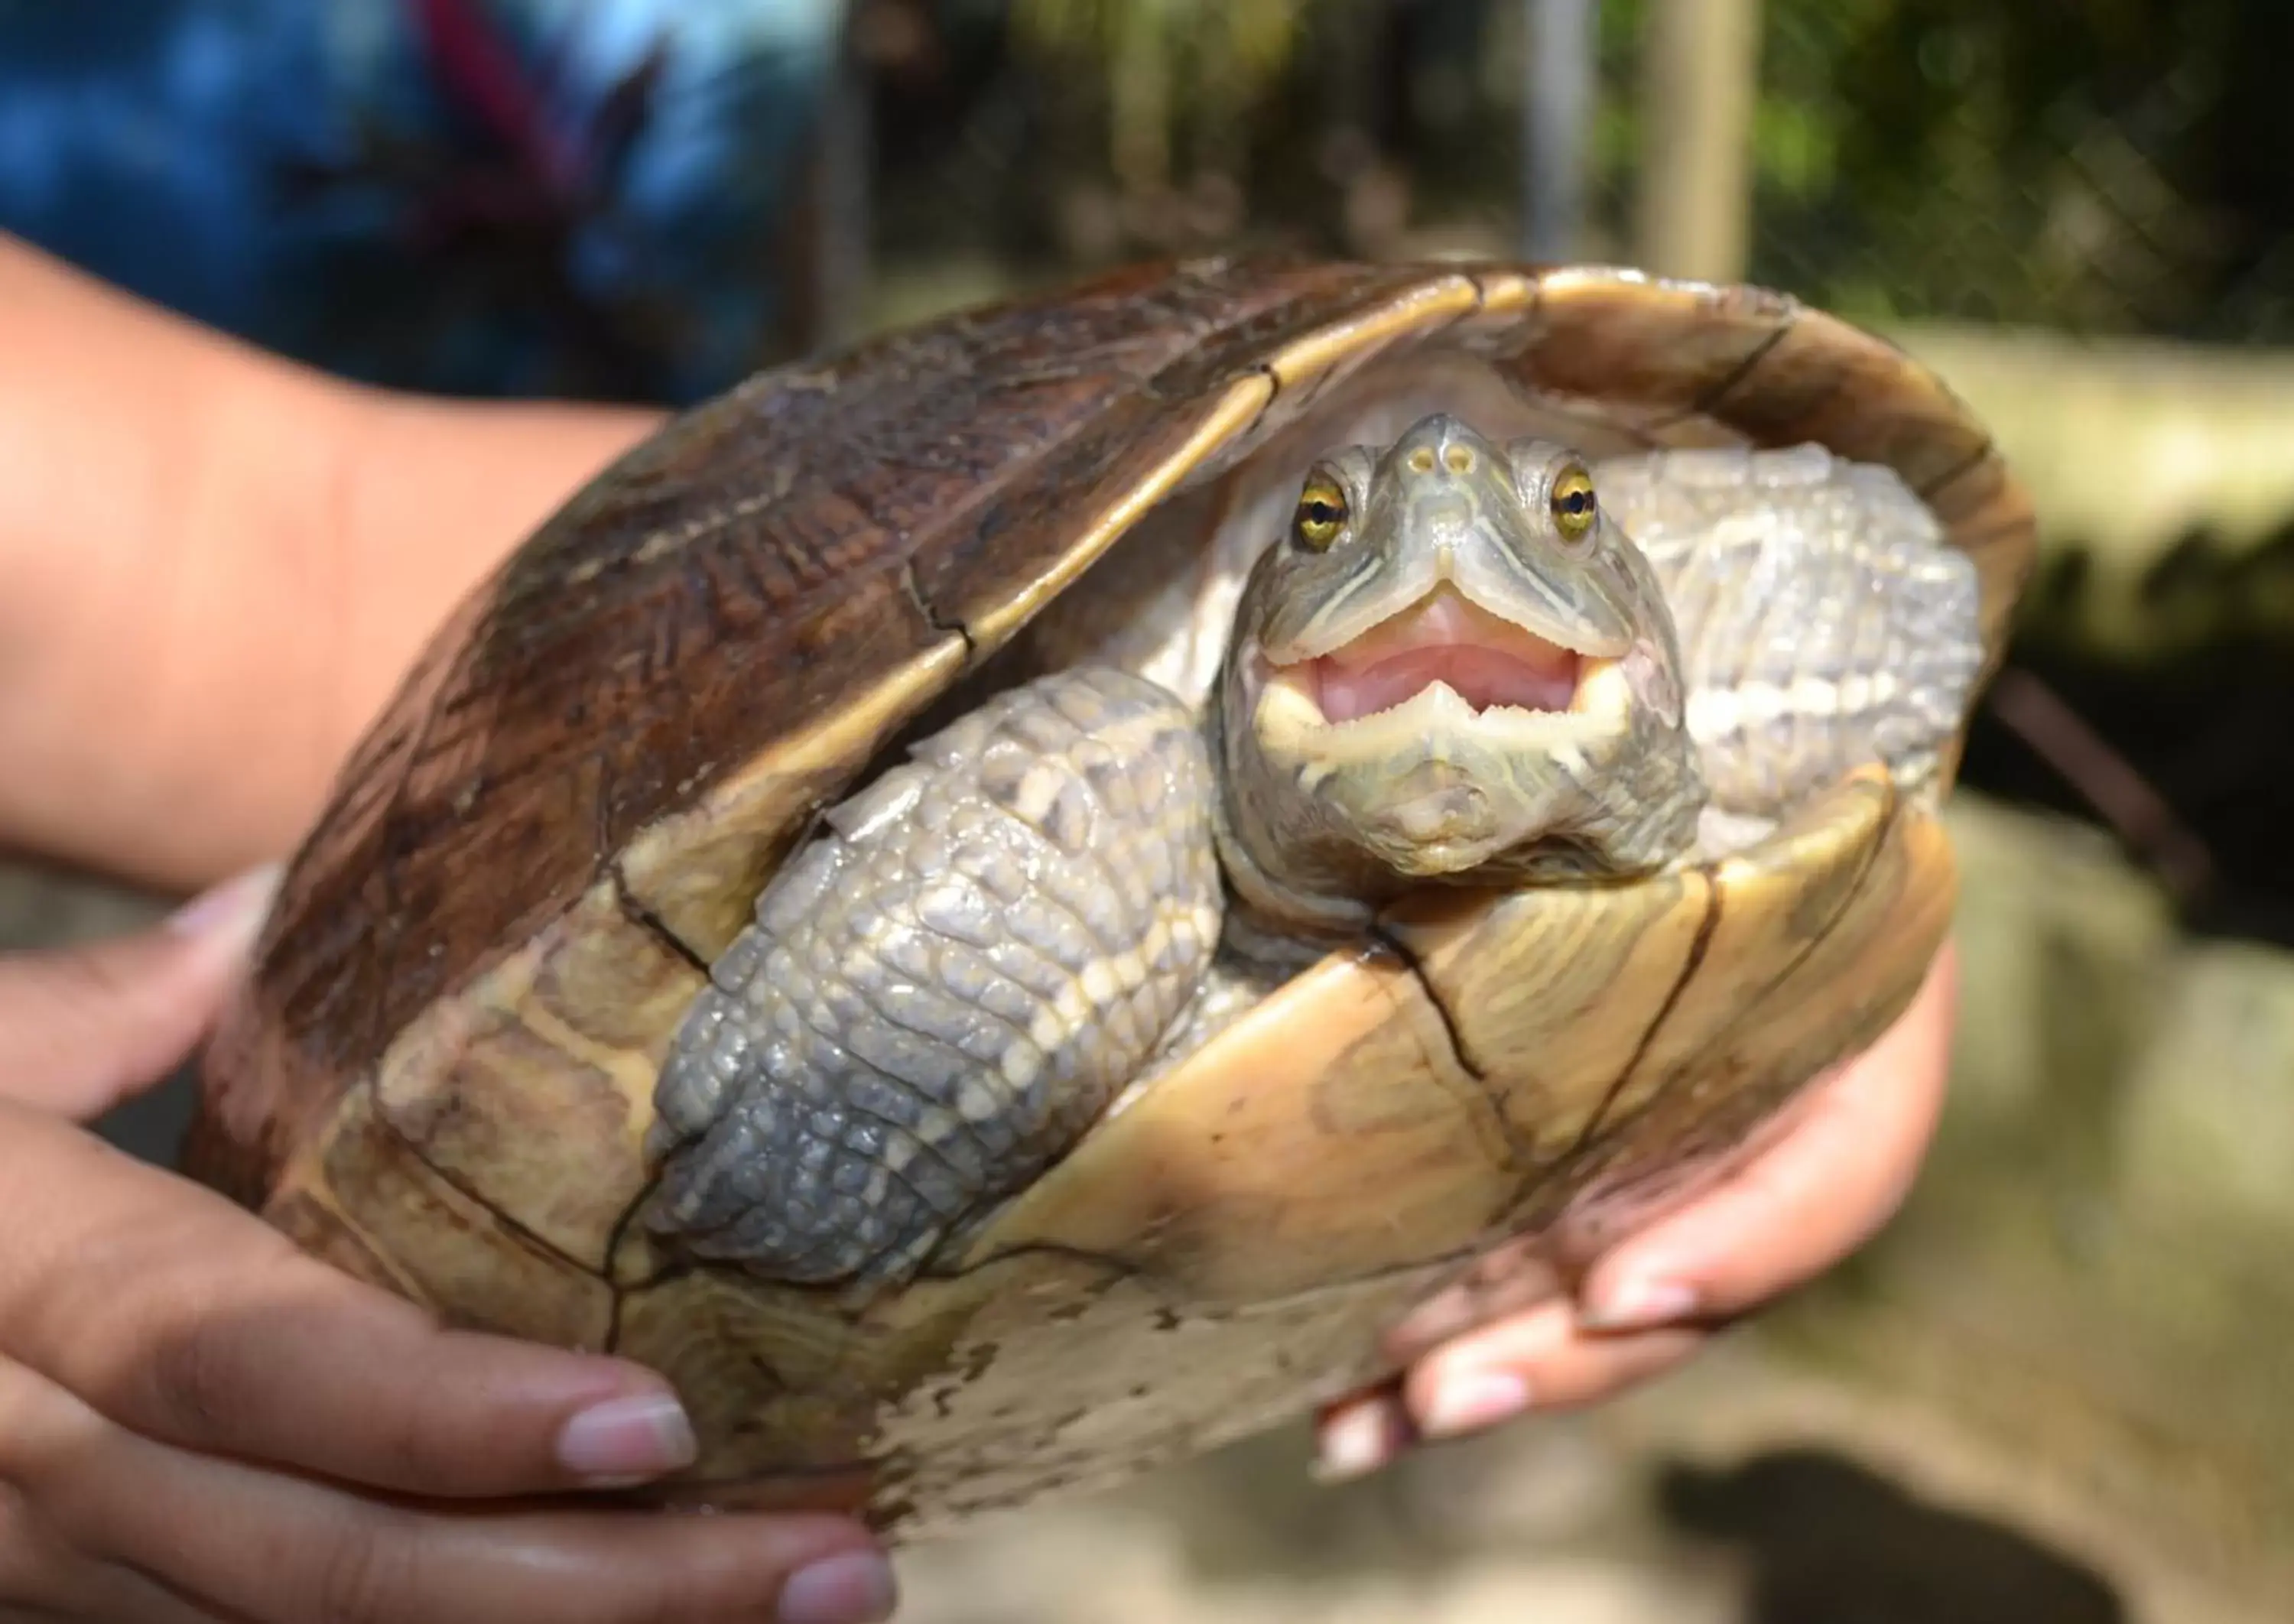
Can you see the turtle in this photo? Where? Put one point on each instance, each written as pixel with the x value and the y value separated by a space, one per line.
pixel 1052 889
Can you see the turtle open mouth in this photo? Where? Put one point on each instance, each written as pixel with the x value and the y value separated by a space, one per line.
pixel 1443 666
pixel 1486 660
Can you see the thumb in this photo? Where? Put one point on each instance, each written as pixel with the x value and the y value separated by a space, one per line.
pixel 82 1027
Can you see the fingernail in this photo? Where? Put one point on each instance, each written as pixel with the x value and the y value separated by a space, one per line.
pixel 1472 1399
pixel 233 912
pixel 1355 1443
pixel 854 1588
pixel 1638 1304
pixel 627 1440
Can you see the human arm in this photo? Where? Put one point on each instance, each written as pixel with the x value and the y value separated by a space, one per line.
pixel 215 565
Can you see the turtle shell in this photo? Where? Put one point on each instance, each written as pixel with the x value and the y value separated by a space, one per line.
pixel 440 1076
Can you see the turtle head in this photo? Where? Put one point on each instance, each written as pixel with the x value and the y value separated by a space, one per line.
pixel 1452 667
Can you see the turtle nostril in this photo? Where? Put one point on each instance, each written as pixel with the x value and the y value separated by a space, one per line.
pixel 1421 460
pixel 1459 459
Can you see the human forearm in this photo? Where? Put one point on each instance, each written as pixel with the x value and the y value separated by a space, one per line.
pixel 214 564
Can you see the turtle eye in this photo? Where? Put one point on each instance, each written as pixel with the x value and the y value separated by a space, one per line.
pixel 1321 515
pixel 1574 504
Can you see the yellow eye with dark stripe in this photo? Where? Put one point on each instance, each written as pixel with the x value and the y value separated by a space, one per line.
pixel 1574 504
pixel 1321 513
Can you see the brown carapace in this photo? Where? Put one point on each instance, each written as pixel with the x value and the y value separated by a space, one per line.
pixel 442 1077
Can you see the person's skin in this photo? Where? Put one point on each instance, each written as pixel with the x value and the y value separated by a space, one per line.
pixel 213 568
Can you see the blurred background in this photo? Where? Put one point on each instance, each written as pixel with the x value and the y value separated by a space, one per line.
pixel 2062 1386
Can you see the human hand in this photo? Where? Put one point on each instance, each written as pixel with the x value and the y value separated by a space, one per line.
pixel 199 1422
pixel 1840 1164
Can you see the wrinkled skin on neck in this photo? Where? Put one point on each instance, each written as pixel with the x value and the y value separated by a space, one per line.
pixel 1470 678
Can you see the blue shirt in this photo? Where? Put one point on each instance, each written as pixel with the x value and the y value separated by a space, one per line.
pixel 494 197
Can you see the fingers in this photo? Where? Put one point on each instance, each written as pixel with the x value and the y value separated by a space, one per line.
pixel 1361 1433
pixel 163 1355
pixel 255 1546
pixel 231 1340
pixel 81 1027
pixel 179 1316
pixel 1541 1358
pixel 1804 1202
pixel 42 1578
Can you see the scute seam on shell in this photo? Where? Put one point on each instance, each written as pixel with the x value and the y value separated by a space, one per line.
pixel 312 1175
pixel 1717 1144
pixel 933 617
pixel 422 1095
pixel 1892 808
pixel 636 912
pixel 510 1223
pixel 1709 398
pixel 1708 879
pixel 1943 482
pixel 1460 1050
pixel 1318 355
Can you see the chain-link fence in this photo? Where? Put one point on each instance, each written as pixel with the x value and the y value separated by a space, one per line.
pixel 2104 166
pixel 2086 165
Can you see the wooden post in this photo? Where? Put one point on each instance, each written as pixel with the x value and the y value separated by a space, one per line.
pixel 1700 82
pixel 1558 78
